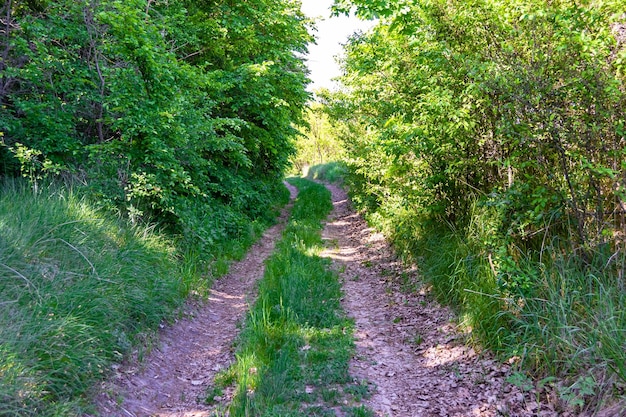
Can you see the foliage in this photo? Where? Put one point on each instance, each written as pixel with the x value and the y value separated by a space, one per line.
pixel 318 144
pixel 487 137
pixel 166 109
pixel 333 172
pixel 520 101
pixel 177 113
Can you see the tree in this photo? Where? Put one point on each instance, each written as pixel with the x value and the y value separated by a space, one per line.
pixel 164 108
pixel 518 104
pixel 318 143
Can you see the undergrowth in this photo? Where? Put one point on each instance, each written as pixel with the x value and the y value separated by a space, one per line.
pixel 294 350
pixel 81 289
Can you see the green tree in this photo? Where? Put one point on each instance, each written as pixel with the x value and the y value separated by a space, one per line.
pixel 521 101
pixel 318 143
pixel 169 109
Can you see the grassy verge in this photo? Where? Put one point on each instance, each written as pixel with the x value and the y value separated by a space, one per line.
pixel 79 290
pixel 294 350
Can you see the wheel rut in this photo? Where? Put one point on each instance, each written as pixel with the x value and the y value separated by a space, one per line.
pixel 172 380
pixel 408 348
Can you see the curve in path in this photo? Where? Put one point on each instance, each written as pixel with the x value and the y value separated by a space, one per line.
pixel 407 346
pixel 173 379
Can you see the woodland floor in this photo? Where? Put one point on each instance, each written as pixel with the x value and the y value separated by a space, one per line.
pixel 408 348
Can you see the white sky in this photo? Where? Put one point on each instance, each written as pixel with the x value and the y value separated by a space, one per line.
pixel 331 34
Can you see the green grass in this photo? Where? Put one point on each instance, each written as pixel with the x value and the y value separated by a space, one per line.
pixel 294 350
pixel 78 290
pixel 572 325
pixel 81 289
pixel 333 172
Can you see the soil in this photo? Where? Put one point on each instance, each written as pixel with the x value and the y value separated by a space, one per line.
pixel 173 379
pixel 408 347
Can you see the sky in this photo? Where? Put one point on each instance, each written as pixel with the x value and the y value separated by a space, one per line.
pixel 331 34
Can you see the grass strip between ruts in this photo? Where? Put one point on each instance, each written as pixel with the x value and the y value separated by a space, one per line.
pixel 293 352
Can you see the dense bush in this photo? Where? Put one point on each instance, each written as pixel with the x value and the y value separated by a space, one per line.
pixel 488 138
pixel 519 104
pixel 165 109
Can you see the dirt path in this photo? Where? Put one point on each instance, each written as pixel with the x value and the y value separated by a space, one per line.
pixel 407 346
pixel 172 380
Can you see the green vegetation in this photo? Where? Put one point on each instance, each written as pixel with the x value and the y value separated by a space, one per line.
pixel 180 111
pixel 167 127
pixel 79 290
pixel 293 353
pixel 330 172
pixel 318 143
pixel 487 139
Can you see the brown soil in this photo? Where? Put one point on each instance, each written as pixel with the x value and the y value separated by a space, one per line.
pixel 173 379
pixel 408 347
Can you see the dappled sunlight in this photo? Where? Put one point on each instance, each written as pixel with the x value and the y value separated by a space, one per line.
pixel 202 352
pixel 343 254
pixel 186 413
pixel 338 223
pixel 444 354
pixel 407 346
pixel 236 301
pixel 192 352
pixel 221 296
pixel 374 237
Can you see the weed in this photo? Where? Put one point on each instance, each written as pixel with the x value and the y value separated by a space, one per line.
pixel 416 340
pixel 360 411
pixel 331 396
pixel 359 391
pixel 225 377
pixel 520 380
pixel 575 395
pixel 211 394
pixel 408 283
